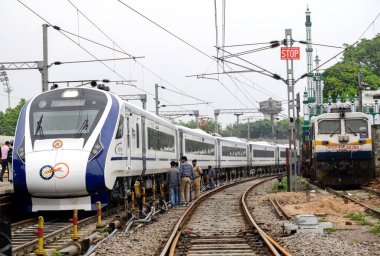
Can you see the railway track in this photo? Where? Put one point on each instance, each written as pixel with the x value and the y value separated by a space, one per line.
pixel 368 208
pixel 278 208
pixel 220 223
pixel 57 233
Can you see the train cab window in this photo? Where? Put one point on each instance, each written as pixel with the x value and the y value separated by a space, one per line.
pixel 120 128
pixel 329 127
pixel 356 126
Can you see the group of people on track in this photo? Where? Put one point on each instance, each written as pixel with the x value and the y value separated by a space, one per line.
pixel 187 178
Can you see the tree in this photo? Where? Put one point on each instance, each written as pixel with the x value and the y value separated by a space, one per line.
pixel 8 119
pixel 341 78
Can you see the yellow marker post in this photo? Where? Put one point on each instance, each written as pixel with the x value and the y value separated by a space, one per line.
pixel 162 190
pixel 74 220
pixel 133 207
pixel 137 189
pixel 40 232
pixel 144 196
pixel 99 224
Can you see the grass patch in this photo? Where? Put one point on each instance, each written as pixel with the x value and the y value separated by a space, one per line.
pixel 330 230
pixel 375 229
pixel 359 218
pixel 57 253
pixel 284 184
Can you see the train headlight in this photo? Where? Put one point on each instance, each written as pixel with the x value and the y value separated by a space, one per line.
pixel 95 149
pixel 21 151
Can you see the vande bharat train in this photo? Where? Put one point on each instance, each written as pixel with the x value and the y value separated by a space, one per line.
pixel 76 146
pixel 338 149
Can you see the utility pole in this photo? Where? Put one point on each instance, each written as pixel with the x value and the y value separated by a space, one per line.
pixel 291 112
pixel 7 89
pixel 237 123
pixel 360 86
pixel 44 72
pixel 157 101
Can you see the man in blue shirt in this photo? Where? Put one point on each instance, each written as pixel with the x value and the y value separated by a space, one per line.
pixel 187 176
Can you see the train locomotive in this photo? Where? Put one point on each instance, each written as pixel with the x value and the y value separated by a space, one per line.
pixel 337 150
pixel 76 146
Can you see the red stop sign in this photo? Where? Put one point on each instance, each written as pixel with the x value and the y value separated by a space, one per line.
pixel 290 53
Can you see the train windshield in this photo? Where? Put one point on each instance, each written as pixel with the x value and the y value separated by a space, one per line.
pixel 70 113
pixel 356 126
pixel 329 127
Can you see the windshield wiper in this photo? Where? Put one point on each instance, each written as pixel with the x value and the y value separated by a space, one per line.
pixel 349 129
pixel 39 127
pixel 82 128
pixel 335 131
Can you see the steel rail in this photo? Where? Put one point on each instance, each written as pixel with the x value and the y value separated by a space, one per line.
pixel 272 245
pixel 170 246
pixel 367 207
pixel 176 233
pixel 29 246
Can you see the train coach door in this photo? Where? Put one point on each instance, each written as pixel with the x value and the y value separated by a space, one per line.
pixel 127 138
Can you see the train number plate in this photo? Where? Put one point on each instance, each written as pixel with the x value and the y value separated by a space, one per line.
pixel 343 148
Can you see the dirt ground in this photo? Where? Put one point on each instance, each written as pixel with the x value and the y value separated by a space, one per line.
pixel 326 207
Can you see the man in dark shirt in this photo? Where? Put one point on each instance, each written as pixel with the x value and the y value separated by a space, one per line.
pixel 212 176
pixel 173 180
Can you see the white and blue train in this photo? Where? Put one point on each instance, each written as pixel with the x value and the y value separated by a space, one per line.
pixel 76 146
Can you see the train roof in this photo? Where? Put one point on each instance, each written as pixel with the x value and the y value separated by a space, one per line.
pixel 337 115
pixel 195 131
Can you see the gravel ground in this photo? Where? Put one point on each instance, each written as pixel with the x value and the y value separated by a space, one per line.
pixel 356 241
pixel 146 240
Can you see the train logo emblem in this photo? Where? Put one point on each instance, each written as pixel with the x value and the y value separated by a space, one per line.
pixel 57 144
pixel 60 171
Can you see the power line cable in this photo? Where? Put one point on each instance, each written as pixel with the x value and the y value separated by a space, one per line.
pixel 158 25
pixel 123 51
pixel 365 31
pixel 57 28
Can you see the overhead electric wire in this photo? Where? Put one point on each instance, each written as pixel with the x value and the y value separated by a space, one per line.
pixel 158 25
pixel 187 43
pixel 57 28
pixel 365 31
pixel 325 45
pixel 238 45
pixel 86 61
pixel 123 51
pixel 97 27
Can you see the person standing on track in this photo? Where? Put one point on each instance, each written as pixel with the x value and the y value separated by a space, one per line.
pixel 197 178
pixel 212 176
pixel 173 180
pixel 187 177
pixel 4 161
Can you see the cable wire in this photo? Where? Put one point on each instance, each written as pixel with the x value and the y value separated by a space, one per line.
pixel 124 52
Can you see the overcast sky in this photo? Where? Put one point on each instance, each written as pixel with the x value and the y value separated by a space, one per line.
pixel 168 60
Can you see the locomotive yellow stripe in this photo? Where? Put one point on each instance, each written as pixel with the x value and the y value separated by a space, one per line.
pixel 319 143
pixel 367 141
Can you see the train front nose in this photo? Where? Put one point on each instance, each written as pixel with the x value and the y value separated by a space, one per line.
pixel 58 172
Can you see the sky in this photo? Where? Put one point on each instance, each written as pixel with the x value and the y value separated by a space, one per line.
pixel 169 61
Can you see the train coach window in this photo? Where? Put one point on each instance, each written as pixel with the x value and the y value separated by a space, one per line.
pixel 199 148
pixel 263 153
pixel 120 128
pixel 231 151
pixel 160 141
pixel 329 126
pixel 356 126
pixel 282 154
pixel 137 136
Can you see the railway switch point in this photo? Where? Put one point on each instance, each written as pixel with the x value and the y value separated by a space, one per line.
pixel 40 233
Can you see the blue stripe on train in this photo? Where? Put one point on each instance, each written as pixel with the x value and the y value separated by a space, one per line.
pixel 343 155
pixel 95 168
